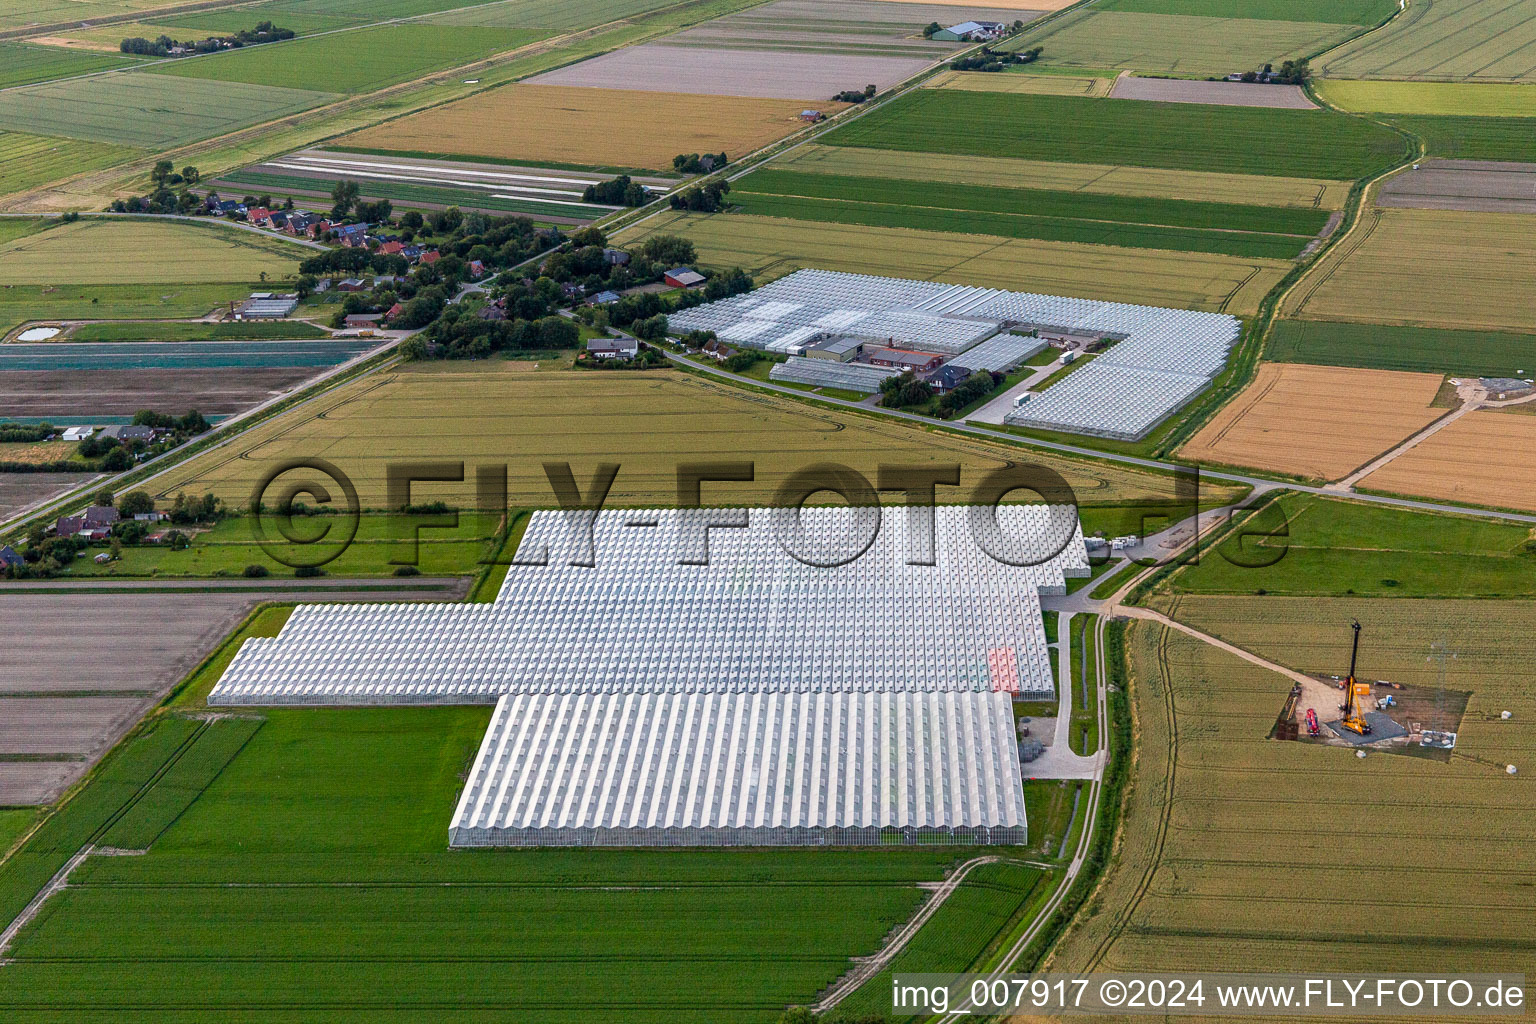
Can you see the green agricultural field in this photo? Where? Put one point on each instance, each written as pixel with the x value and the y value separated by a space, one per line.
pixel 12 228
pixel 507 413
pixel 770 247
pixel 1031 213
pixel 1336 546
pixel 312 875
pixel 20 303
pixel 1428 268
pixel 22 13
pixel 1474 138
pixel 404 193
pixel 21 64
pixel 250 331
pixel 1446 41
pixel 141 109
pixel 1005 172
pixel 383 544
pixel 1430 98
pixel 1426 350
pixel 957 935
pixel 1255 140
pixel 133 251
pixel 1235 846
pixel 1175 43
pixel 349 62
pixel 13 823
pixel 27 161
pixel 1344 12
pixel 555 15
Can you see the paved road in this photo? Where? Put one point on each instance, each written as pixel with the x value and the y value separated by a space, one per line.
pixel 1259 484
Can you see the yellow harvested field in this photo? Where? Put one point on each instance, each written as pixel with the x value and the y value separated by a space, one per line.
pixel 134 251
pixel 603 127
pixel 501 413
pixel 770 247
pixel 1428 268
pixel 36 452
pixel 1484 458
pixel 1322 422
pixel 1006 172
pixel 1034 85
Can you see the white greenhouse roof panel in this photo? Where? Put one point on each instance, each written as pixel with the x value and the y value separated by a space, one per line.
pixel 744 769
pixel 825 373
pixel 1110 401
pixel 1001 353
pixel 754 619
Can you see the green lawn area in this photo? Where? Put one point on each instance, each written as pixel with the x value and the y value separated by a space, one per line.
pixel 254 331
pixel 1340 547
pixel 1473 137
pixel 382 544
pixel 21 64
pixel 22 302
pixel 1422 349
pixel 1255 140
pixel 1186 225
pixel 311 879
pixel 1344 12
pixel 359 61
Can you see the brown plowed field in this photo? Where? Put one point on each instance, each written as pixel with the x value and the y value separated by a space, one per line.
pixel 1483 458
pixel 607 127
pixel 1316 421
pixel 212 391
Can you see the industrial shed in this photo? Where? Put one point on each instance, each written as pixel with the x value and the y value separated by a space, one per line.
pixel 738 769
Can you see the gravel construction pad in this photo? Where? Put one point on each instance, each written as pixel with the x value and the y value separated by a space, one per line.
pixel 63 725
pixel 654 67
pixel 220 392
pixel 1224 94
pixel 1382 728
pixel 1479 186
pixel 18 490
pixel 91 643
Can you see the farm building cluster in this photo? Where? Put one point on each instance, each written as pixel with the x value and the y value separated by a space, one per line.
pixel 853 331
pixel 688 680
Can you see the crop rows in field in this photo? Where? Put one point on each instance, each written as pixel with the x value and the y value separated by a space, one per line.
pixel 351 62
pixel 130 252
pixel 1428 268
pixel 1344 12
pixel 1448 40
pixel 509 414
pixel 1335 343
pixel 1480 459
pixel 1321 422
pixel 1103 37
pixel 27 161
pixel 1006 172
pixel 1474 138
pixel 21 13
pixel 1192 226
pixel 315 876
pixel 1236 846
pixel 772 247
pixel 21 64
pixel 20 302
pixel 1442 99
pixel 1311 545
pixel 554 15
pixel 1256 140
pixel 140 109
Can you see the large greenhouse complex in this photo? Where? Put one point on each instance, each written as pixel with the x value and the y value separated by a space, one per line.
pixel 1157 359
pixel 771 695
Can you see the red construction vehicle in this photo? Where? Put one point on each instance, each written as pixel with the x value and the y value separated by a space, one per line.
pixel 1312 729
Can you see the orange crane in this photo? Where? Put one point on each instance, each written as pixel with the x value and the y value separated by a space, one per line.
pixel 1355 694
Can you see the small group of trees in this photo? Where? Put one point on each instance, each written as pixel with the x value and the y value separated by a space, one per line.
pixel 996 60
pixel 164 196
pixel 977 386
pixel 707 198
pixel 165 46
pixel 693 163
pixel 1292 72
pixel 345 204
pixel 855 96
pixel 621 191
pixel 904 390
